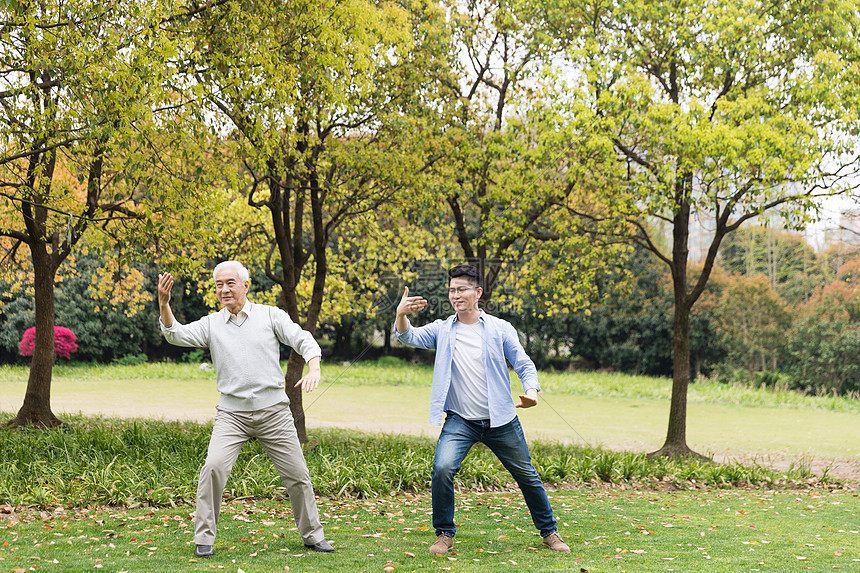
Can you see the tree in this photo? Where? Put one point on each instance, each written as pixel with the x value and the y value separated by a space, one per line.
pixel 83 147
pixel 313 97
pixel 510 167
pixel 753 321
pixel 824 342
pixel 718 111
pixel 790 264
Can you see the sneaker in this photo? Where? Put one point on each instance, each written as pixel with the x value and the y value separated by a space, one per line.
pixel 556 543
pixel 442 546
pixel 204 551
pixel 321 546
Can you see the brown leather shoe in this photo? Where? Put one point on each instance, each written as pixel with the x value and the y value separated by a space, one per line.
pixel 442 546
pixel 556 543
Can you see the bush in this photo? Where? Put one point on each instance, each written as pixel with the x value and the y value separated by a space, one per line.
pixel 64 342
pixel 130 359
pixel 391 361
pixel 103 461
pixel 824 344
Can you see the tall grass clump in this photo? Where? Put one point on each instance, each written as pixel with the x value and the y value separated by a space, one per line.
pixel 102 461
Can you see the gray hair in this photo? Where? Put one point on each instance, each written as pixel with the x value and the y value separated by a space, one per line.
pixel 236 266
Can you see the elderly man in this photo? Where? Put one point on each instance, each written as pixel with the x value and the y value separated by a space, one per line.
pixel 471 386
pixel 244 340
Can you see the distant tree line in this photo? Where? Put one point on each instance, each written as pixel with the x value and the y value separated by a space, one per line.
pixel 776 313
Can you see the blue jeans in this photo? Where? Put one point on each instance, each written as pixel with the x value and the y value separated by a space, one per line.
pixel 509 444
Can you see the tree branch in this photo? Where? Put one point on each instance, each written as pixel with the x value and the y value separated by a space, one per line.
pixel 32 152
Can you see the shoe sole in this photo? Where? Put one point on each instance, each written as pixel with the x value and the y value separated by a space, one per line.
pixel 446 552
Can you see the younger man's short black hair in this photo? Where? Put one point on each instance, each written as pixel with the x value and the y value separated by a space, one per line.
pixel 469 272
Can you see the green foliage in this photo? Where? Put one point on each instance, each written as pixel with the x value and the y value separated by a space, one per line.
pixel 718 112
pixel 93 142
pixel 791 266
pixel 627 328
pixel 391 361
pixel 501 171
pixel 130 359
pixel 194 356
pixel 316 102
pixel 752 321
pixel 111 311
pixel 824 343
pixel 16 316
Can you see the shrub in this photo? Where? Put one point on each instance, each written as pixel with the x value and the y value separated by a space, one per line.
pixel 130 359
pixel 64 342
pixel 824 343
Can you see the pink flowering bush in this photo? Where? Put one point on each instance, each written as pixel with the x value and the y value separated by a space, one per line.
pixel 64 342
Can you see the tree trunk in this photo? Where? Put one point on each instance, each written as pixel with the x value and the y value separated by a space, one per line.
pixel 676 435
pixel 386 345
pixel 295 366
pixel 36 409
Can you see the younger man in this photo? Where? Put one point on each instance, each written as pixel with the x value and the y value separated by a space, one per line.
pixel 472 387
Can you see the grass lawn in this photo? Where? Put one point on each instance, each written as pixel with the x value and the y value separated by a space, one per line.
pixel 727 531
pixel 609 527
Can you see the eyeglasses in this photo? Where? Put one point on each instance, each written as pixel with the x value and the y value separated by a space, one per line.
pixel 460 290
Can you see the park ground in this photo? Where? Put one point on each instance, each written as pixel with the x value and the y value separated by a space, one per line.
pixel 618 527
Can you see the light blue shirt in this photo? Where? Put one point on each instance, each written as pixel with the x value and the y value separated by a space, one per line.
pixel 501 345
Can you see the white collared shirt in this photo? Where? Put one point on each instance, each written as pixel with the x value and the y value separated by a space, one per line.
pixel 240 316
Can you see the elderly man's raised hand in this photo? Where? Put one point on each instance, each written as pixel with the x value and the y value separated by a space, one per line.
pixel 165 285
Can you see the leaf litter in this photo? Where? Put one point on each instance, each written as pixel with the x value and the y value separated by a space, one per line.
pixel 632 528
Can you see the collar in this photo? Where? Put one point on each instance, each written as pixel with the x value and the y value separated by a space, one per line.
pixel 480 316
pixel 246 310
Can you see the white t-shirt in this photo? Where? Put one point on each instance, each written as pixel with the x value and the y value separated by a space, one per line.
pixel 468 395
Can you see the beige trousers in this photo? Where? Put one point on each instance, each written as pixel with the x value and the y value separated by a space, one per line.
pixel 274 428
